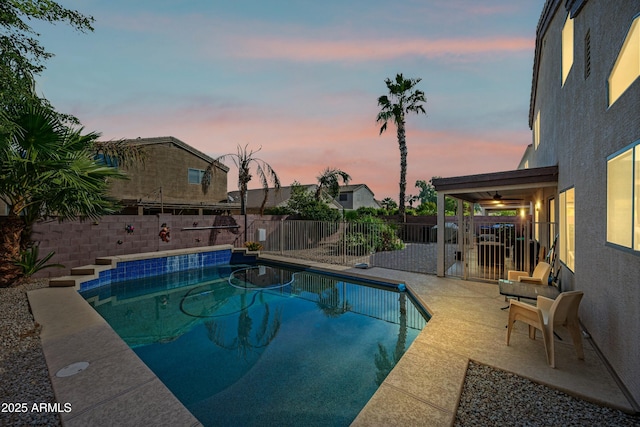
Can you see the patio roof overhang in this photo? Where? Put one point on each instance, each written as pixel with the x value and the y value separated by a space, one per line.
pixel 515 188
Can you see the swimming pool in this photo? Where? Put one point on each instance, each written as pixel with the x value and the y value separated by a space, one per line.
pixel 260 344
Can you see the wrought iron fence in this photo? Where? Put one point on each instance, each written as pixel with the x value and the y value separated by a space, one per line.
pixel 400 246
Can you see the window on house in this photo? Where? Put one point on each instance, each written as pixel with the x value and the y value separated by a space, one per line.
pixel 343 197
pixel 567 228
pixel 536 131
pixel 567 48
pixel 587 54
pixel 195 176
pixel 623 198
pixel 627 67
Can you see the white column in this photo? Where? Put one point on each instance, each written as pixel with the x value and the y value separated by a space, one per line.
pixel 441 236
pixel 460 245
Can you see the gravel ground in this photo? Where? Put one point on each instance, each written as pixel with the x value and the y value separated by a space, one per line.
pixel 490 397
pixel 24 378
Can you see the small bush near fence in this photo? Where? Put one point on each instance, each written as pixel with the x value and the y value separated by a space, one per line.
pixel 368 235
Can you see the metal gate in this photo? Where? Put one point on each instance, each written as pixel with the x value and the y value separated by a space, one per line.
pixel 491 247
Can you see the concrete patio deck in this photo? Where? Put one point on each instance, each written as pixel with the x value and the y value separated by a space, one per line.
pixel 422 390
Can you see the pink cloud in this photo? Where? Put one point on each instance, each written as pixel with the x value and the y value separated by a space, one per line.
pixel 364 50
pixel 298 44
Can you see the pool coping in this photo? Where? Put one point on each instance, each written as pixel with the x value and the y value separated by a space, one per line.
pixel 423 389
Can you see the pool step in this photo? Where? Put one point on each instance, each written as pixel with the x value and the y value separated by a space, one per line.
pixel 83 271
pixel 81 274
pixel 64 281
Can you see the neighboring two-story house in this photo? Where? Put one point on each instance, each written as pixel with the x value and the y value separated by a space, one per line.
pixel 170 180
pixel 356 196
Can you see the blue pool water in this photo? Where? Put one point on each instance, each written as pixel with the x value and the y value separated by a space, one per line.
pixel 261 345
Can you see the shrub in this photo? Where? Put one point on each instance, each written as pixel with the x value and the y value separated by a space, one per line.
pixel 303 205
pixel 357 244
pixel 30 263
pixel 351 215
pixel 278 210
pixel 369 234
pixel 253 246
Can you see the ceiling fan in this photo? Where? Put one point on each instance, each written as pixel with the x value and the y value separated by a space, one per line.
pixel 498 199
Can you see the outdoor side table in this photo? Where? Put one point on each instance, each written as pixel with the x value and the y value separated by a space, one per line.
pixel 510 288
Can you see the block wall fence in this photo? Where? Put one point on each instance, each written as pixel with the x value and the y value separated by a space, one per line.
pixel 78 243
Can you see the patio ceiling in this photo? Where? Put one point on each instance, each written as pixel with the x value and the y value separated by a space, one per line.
pixel 514 188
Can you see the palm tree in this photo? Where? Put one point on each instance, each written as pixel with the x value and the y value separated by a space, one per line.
pixel 119 153
pixel 329 179
pixel 244 159
pixel 245 341
pixel 402 99
pixel 385 362
pixel 46 170
pixel 388 203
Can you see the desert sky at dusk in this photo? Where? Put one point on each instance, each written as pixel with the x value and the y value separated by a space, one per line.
pixel 301 79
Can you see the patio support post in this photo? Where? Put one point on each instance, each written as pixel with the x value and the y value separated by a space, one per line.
pixel 527 247
pixel 460 212
pixel 469 241
pixel 440 236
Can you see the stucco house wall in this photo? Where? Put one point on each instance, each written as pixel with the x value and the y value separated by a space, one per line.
pixel 578 131
pixel 166 166
pixel 356 196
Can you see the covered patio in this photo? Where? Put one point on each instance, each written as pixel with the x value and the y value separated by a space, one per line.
pixel 531 192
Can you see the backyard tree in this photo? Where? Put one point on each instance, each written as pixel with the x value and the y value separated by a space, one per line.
pixel 428 192
pixel 388 203
pixel 244 159
pixel 304 205
pixel 403 98
pixel 22 56
pixel 329 180
pixel 46 170
pixel 383 360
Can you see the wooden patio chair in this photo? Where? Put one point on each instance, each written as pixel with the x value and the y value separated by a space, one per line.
pixel 563 311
